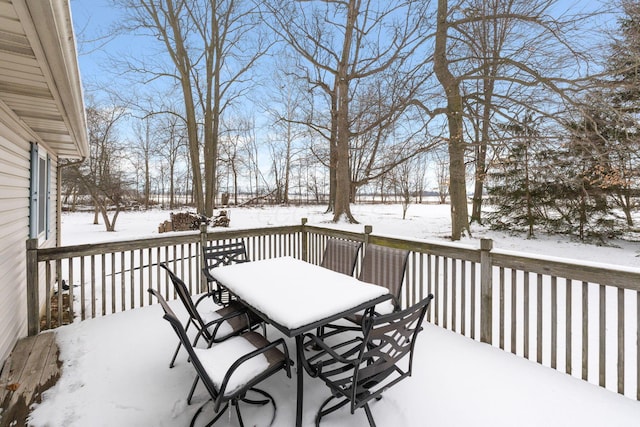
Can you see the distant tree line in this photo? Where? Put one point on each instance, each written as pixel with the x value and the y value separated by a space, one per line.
pixel 237 100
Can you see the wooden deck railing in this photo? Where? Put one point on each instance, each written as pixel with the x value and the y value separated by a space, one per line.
pixel 581 319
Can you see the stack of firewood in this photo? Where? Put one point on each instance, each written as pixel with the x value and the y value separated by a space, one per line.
pixel 183 221
pixel 222 220
pixel 165 227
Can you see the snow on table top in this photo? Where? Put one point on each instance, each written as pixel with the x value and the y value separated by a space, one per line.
pixel 294 293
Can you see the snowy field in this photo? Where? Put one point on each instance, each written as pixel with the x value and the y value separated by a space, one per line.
pixel 116 368
pixel 430 222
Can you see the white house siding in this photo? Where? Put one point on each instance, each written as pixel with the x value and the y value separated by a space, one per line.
pixel 14 232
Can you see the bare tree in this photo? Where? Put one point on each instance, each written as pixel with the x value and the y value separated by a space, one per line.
pixel 442 176
pixel 454 110
pixel 172 142
pixel 284 106
pixel 376 151
pixel 211 46
pixel 101 175
pixel 339 47
pixel 229 170
pixel 406 180
pixel 143 149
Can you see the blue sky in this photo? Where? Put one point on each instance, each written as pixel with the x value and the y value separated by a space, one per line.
pixel 94 23
pixel 94 18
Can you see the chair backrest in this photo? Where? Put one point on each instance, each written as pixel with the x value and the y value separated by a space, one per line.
pixel 387 340
pixel 216 256
pixel 276 360
pixel 183 293
pixel 384 266
pixel 341 255
pixel 171 317
pixel 225 254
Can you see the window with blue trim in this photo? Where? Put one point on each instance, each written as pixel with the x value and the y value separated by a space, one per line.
pixel 40 193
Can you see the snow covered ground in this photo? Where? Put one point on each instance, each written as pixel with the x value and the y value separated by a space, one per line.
pixel 427 221
pixel 116 368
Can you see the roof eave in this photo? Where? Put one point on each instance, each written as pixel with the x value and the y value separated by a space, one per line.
pixel 48 26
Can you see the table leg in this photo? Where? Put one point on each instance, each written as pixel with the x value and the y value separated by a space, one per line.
pixel 300 380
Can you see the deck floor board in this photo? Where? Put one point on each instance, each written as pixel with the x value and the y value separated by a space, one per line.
pixel 32 368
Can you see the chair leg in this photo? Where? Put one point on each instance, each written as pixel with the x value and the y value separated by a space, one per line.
pixel 321 413
pixel 193 389
pixel 367 410
pixel 175 355
pixel 216 418
pixel 239 414
pixel 268 399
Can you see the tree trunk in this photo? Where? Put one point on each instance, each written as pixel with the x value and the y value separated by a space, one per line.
pixel 451 86
pixel 147 168
pixel 457 180
pixel 528 195
pixel 172 185
pixel 333 156
pixel 342 208
pixel 481 153
pixel 182 61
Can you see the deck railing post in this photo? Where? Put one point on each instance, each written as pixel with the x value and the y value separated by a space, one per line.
pixel 368 229
pixel 486 291
pixel 33 288
pixel 305 240
pixel 203 244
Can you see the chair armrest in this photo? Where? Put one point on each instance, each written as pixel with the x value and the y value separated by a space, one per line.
pixel 218 322
pixel 205 296
pixel 314 369
pixel 207 274
pixel 372 310
pixel 258 352
pixel 243 312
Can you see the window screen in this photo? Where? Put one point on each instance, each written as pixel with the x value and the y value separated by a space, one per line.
pixel 42 195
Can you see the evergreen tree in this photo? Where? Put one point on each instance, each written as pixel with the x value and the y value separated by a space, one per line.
pixel 556 188
pixel 575 186
pixel 512 184
pixel 624 59
pixel 621 129
pixel 569 194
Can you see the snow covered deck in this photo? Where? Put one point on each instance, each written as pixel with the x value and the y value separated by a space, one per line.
pixel 115 372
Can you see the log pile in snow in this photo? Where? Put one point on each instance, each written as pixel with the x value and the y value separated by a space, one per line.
pixel 183 221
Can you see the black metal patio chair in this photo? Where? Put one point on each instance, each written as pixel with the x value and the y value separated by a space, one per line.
pixel 213 326
pixel 229 370
pixel 382 266
pixel 226 254
pixel 385 266
pixel 341 255
pixel 362 368
pixel 219 255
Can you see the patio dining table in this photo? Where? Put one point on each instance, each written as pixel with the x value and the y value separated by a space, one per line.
pixel 295 297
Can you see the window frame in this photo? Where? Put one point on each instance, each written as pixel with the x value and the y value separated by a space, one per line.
pixel 40 193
